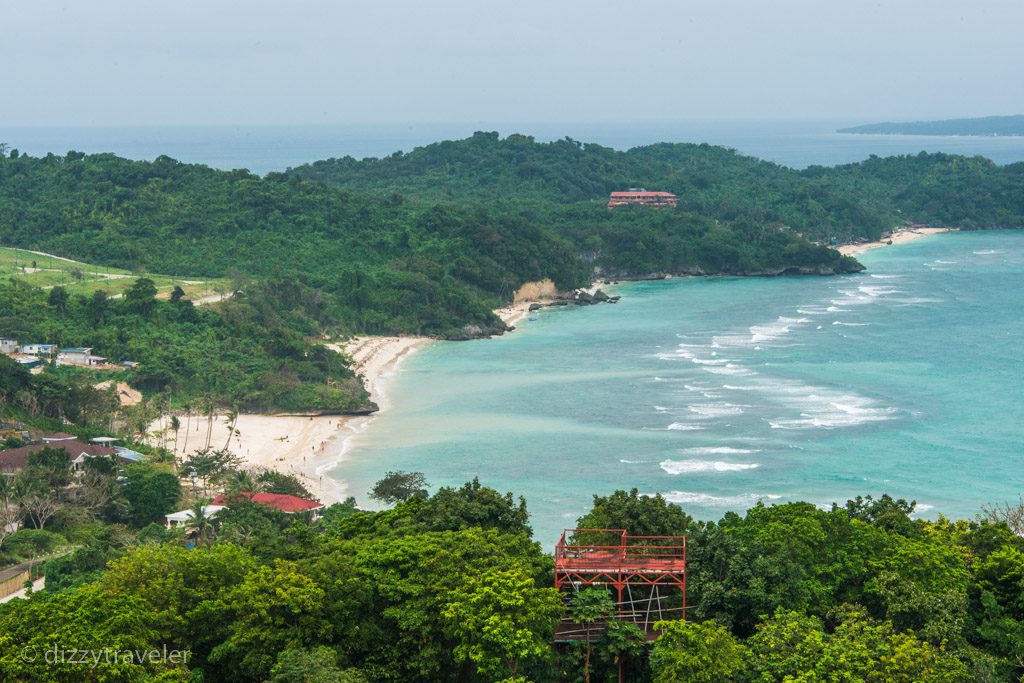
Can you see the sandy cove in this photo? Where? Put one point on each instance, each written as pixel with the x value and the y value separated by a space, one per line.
pixel 898 237
pixel 301 445
pixel 308 447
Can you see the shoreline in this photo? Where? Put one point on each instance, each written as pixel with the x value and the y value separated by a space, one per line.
pixel 308 447
pixel 898 237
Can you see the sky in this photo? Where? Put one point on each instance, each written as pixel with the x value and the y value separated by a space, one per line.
pixel 117 62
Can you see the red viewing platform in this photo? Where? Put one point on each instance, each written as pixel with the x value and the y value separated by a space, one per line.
pixel 644 571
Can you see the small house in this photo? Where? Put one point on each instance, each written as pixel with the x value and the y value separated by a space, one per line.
pixel 47 350
pixel 8 345
pixel 80 356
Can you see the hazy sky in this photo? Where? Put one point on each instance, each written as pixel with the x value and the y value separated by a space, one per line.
pixel 296 61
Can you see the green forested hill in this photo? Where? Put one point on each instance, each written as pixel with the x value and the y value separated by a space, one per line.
pixel 384 262
pixel 845 202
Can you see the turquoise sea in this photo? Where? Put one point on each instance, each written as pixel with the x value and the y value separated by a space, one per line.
pixel 906 379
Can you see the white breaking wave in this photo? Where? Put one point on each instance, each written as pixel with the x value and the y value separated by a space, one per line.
pixel 917 300
pixel 838 322
pixel 730 369
pixel 761 334
pixel 681 352
pixel 661 409
pixel 886 277
pixel 675 467
pixel 708 500
pixel 683 427
pixel 716 409
pixel 841 415
pixel 717 450
pixel 877 290
pixel 631 462
pixel 988 252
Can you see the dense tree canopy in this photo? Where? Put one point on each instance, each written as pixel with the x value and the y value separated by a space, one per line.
pixel 451 588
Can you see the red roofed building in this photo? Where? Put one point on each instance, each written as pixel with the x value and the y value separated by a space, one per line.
pixel 642 196
pixel 279 501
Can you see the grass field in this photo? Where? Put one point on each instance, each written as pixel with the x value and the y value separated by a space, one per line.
pixel 46 271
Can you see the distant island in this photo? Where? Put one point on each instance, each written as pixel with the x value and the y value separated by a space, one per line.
pixel 987 125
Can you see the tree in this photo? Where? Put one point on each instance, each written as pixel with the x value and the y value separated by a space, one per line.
pixel 640 515
pixel 396 487
pixel 1012 514
pixel 99 493
pixel 472 505
pixel 201 525
pixel 588 607
pixel 175 427
pixel 273 608
pixel 272 481
pixel 695 652
pixel 501 622
pixel 58 298
pixel 10 508
pixel 51 466
pixel 88 615
pixel 792 646
pixel 314 665
pixel 141 297
pixel 151 490
pixel 39 501
pixel 96 308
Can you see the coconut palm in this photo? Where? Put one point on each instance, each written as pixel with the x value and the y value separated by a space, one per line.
pixel 203 526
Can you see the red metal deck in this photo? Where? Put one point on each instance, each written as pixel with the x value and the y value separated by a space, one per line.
pixel 620 561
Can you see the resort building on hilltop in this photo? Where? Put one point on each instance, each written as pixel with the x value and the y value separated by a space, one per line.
pixel 642 196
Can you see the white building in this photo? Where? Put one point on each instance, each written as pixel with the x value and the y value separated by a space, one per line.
pixel 79 356
pixel 183 517
pixel 39 349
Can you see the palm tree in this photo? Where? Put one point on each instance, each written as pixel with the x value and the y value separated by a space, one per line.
pixel 209 419
pixel 202 525
pixel 188 425
pixel 229 421
pixel 175 425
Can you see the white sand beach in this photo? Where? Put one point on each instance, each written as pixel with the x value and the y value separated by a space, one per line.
pixel 898 237
pixel 309 446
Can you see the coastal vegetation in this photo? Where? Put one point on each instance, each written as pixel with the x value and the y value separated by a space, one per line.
pixel 250 354
pixel 452 586
pixel 985 125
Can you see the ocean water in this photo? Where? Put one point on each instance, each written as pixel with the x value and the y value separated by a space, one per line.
pixel 907 379
pixel 275 148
